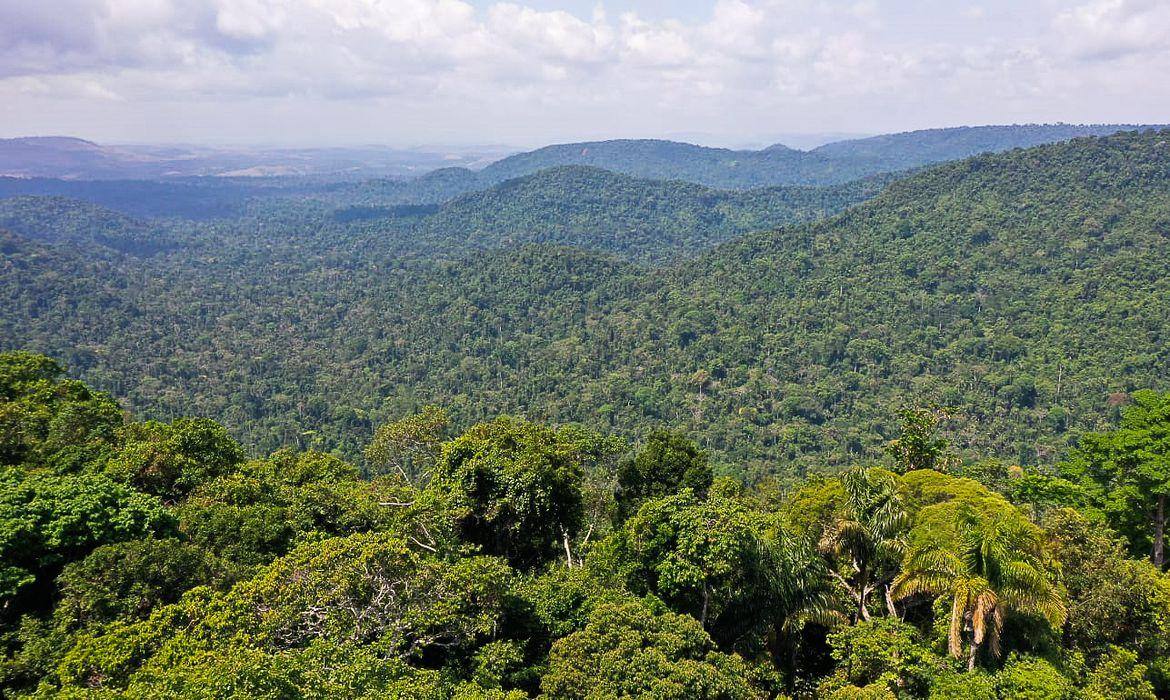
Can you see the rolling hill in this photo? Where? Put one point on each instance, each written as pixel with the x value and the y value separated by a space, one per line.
pixel 1028 288
pixel 779 165
pixel 644 220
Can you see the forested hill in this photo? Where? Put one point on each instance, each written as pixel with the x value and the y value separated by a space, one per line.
pixel 1026 287
pixel 1027 290
pixel 648 221
pixel 203 198
pixel 830 164
pixel 195 198
pixel 778 165
pixel 911 149
pixel 670 160
pixel 58 220
pixel 645 220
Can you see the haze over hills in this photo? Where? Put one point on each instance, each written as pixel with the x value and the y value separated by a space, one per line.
pixel 433 176
pixel 780 165
pixel 1019 288
pixel 203 198
pixel 724 168
pixel 74 159
pixel 649 221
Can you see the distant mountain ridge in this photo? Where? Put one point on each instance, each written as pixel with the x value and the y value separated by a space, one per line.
pixel 446 175
pixel 776 165
pixel 913 149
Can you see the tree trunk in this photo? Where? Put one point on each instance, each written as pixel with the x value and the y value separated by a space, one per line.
pixel 971 656
pixel 706 601
pixel 862 592
pixel 890 605
pixel 1159 555
pixel 568 549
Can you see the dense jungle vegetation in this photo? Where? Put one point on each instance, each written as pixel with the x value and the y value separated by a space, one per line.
pixel 1022 294
pixel 649 221
pixel 519 559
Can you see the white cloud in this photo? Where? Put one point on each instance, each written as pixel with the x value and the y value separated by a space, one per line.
pixel 248 20
pixel 1108 29
pixel 554 36
pixel 740 64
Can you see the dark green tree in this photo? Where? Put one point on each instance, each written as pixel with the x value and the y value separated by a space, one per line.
pixel 129 580
pixel 866 542
pixel 169 460
pixel 664 465
pixel 1127 471
pixel 48 521
pixel 408 447
pixel 632 650
pixel 516 488
pixel 992 566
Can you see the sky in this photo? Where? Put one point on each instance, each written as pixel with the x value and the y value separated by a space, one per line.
pixel 415 72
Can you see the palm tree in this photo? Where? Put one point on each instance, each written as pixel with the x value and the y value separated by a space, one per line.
pixel 799 593
pixel 869 538
pixel 993 568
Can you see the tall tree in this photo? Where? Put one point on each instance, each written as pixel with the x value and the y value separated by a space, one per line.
pixel 730 566
pixel 409 447
pixel 517 487
pixel 1127 470
pixel 666 464
pixel 994 566
pixel 919 446
pixel 868 538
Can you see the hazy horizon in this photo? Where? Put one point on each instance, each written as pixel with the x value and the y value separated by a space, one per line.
pixel 805 141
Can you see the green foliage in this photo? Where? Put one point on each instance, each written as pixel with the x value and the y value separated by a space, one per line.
pixel 368 590
pixel 48 520
pixel 648 221
pixel 1127 472
pixel 810 337
pixel 664 465
pixel 129 580
pixel 985 561
pixel 374 587
pixel 518 487
pixel 263 509
pixel 1112 600
pixel 293 576
pixel 562 599
pixel 1032 679
pixel 836 162
pixel 632 650
pixel 883 653
pixel 408 447
pixel 1119 676
pixel 963 686
pixel 705 557
pixel 733 568
pixel 168 460
pixel 868 537
pixel 45 419
pixel 919 445
pixel 876 691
